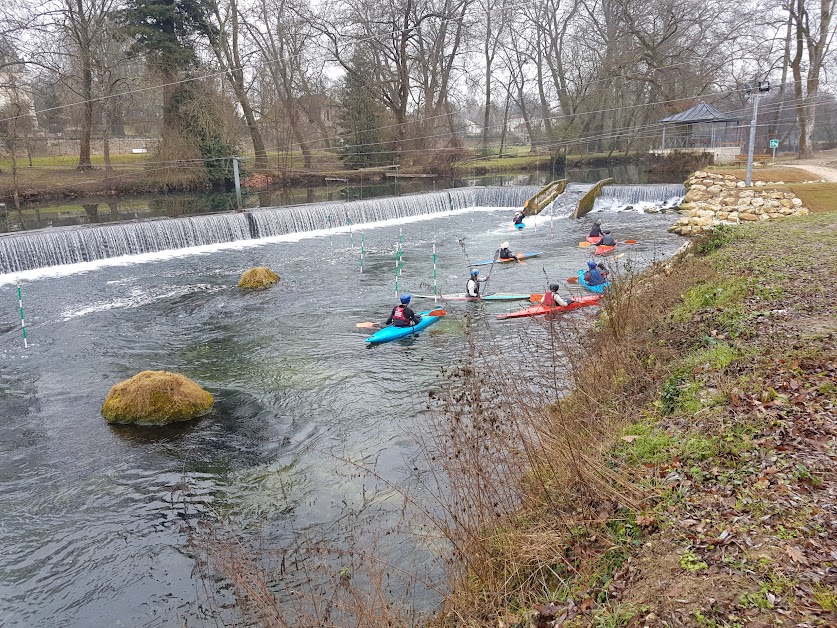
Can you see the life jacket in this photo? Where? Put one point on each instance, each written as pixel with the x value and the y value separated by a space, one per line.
pixel 549 298
pixel 476 290
pixel 518 218
pixel 505 254
pixel 588 277
pixel 595 277
pixel 398 315
pixel 607 240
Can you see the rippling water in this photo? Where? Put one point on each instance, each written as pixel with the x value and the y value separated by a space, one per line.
pixel 91 521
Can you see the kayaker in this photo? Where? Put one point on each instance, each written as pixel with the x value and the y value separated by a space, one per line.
pixel 472 288
pixel 595 274
pixel 402 315
pixel 596 231
pixel 552 298
pixel 519 216
pixel 505 253
pixel 607 240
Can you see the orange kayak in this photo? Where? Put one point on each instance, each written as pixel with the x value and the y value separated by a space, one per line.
pixel 538 310
pixel 594 239
pixel 604 250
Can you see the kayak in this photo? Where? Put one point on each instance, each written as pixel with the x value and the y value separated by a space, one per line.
pixel 600 288
pixel 391 332
pixel 539 309
pixel 604 250
pixel 505 260
pixel 519 225
pixel 594 239
pixel 461 296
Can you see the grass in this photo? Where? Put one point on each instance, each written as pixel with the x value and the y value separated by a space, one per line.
pixel 818 197
pixel 768 173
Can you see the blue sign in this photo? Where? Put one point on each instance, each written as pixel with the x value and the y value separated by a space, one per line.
pixel 774 143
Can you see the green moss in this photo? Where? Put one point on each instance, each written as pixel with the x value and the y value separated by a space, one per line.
pixel 258 277
pixel 826 597
pixel 156 398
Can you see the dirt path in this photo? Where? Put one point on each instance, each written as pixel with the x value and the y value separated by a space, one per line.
pixel 824 165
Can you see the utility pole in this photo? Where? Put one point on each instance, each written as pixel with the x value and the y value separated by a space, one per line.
pixel 763 87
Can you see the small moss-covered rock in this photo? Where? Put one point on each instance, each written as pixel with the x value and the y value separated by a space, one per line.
pixel 156 398
pixel 258 277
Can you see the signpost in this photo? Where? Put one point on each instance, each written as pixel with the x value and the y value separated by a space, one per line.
pixel 774 144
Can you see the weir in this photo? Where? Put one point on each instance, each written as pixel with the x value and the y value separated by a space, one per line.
pixel 634 194
pixel 71 245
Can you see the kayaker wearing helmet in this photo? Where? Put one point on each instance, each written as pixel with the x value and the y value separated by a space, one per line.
pixel 519 216
pixel 607 240
pixel 505 253
pixel 402 315
pixel 596 231
pixel 595 275
pixel 552 298
pixel 472 288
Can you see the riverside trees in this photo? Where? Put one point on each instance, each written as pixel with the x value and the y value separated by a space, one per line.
pixel 562 74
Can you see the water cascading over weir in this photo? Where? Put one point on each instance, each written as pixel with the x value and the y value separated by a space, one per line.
pixel 659 194
pixel 71 245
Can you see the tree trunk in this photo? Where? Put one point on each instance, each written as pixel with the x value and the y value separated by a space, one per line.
pixel 796 67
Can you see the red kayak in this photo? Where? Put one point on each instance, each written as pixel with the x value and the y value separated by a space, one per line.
pixel 604 250
pixel 538 310
pixel 594 239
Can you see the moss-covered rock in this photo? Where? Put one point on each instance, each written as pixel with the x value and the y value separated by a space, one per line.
pixel 156 398
pixel 258 277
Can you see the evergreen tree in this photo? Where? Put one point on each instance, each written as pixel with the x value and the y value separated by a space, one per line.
pixel 361 119
pixel 164 34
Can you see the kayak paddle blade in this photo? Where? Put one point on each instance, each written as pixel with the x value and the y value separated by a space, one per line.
pixel 437 313
pixel 535 298
pixel 573 280
pixel 367 325
pixel 585 245
pixel 631 242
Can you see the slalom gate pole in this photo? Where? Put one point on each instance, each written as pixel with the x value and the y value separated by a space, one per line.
pixel 396 269
pixel 435 289
pixel 400 251
pixel 330 237
pixel 22 321
pixel 362 251
pixel 351 235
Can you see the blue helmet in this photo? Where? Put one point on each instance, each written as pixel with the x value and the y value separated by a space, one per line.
pixel 405 299
pixel 591 264
pixel 475 272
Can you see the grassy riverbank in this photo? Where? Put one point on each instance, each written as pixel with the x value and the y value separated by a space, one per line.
pixel 689 479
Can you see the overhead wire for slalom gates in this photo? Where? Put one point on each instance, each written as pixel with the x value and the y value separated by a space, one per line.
pixel 638 133
pixel 634 131
pixel 772 107
pixel 232 69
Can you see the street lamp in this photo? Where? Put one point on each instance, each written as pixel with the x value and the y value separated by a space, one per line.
pixel 763 88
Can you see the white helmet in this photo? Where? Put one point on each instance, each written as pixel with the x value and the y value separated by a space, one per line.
pixel 504 245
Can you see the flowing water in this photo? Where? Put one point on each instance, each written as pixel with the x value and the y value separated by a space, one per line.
pixel 91 520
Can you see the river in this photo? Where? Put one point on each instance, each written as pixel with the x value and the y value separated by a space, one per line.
pixel 92 515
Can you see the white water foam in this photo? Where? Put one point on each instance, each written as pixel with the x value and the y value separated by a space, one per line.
pixel 131 260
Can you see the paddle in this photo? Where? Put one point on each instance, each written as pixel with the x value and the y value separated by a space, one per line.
pixel 585 244
pixel 535 298
pixel 373 325
pixel 630 242
pixel 517 256
pixel 573 280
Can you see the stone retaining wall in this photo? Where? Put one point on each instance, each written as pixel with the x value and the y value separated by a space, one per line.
pixel 713 199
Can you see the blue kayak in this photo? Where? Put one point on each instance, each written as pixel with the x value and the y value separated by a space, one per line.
pixel 600 288
pixel 519 225
pixel 506 260
pixel 391 332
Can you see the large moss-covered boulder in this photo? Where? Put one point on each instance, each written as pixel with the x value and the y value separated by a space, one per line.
pixel 258 277
pixel 156 398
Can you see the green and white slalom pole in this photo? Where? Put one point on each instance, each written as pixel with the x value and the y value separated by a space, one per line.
pixel 435 289
pixel 330 237
pixel 22 321
pixel 400 252
pixel 362 251
pixel 396 269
